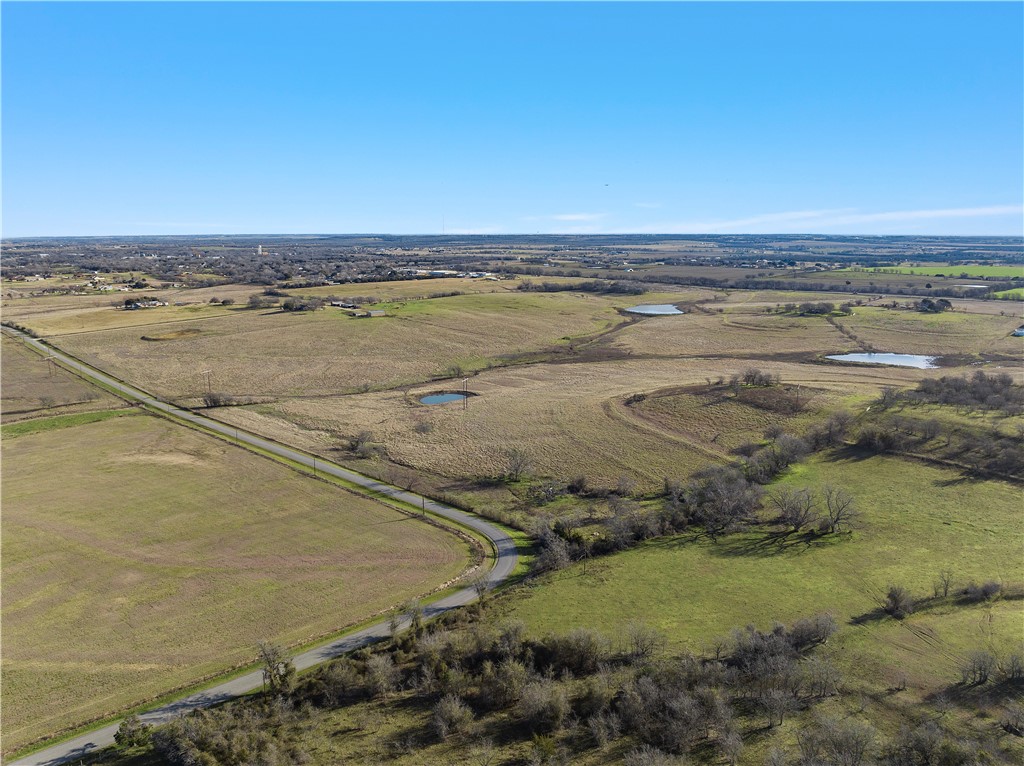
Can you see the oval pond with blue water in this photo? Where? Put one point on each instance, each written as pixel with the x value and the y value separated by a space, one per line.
pixel 919 361
pixel 659 309
pixel 442 398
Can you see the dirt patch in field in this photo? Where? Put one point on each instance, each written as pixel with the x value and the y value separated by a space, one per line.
pixel 188 332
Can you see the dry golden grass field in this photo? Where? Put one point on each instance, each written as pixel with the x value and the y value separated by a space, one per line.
pixel 733 333
pixel 913 332
pixel 162 556
pixel 414 288
pixel 570 418
pixel 69 314
pixel 30 385
pixel 743 330
pixel 274 353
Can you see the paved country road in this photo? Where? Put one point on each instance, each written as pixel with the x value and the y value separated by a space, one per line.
pixel 503 544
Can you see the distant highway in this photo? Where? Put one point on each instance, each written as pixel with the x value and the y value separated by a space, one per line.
pixel 506 558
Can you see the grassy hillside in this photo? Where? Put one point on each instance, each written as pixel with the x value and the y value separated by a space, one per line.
pixel 917 520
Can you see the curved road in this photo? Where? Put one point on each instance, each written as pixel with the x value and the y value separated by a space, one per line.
pixel 503 544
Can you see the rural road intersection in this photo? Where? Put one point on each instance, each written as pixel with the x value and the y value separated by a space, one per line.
pixel 505 549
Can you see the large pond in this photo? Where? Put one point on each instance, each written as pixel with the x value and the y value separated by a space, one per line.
pixel 898 360
pixel 654 308
pixel 442 398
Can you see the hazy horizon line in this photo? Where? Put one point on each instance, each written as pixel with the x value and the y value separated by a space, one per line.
pixel 441 235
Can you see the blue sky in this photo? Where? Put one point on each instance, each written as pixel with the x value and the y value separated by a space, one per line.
pixel 185 118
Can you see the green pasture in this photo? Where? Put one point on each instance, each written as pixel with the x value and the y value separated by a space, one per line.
pixel 1016 293
pixel 949 270
pixel 917 520
pixel 40 425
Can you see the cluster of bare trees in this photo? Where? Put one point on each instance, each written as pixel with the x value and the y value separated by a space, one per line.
pixel 365 445
pixel 929 306
pixel 979 391
pixel 900 602
pixel 978 449
pixel 311 303
pixel 832 510
pixel 767 462
pixel 606 690
pixel 719 499
pixel 811 309
pixel 257 301
pixel 927 743
pixel 570 692
pixel 263 730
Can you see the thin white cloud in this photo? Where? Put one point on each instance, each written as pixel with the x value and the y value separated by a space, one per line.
pixel 585 217
pixel 789 217
pixel 917 215
pixel 577 217
pixel 817 220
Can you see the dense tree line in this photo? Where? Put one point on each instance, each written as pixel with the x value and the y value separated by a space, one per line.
pixel 569 693
pixel 979 391
pixel 788 285
pixel 985 448
pixel 578 681
pixel 603 286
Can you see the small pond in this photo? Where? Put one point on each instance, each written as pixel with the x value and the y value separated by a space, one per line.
pixel 898 360
pixel 442 398
pixel 654 308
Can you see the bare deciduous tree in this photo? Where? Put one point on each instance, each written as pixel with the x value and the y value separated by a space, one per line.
pixel 451 716
pixel 797 508
pixel 898 602
pixel 977 666
pixel 943 583
pixel 278 670
pixel 644 641
pixel 362 444
pixel 413 611
pixel 840 510
pixel 517 463
pixel 382 674
pixel 480 585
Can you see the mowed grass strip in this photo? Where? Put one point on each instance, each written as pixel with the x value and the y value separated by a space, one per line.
pixel 140 556
pixel 917 520
pixel 57 422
